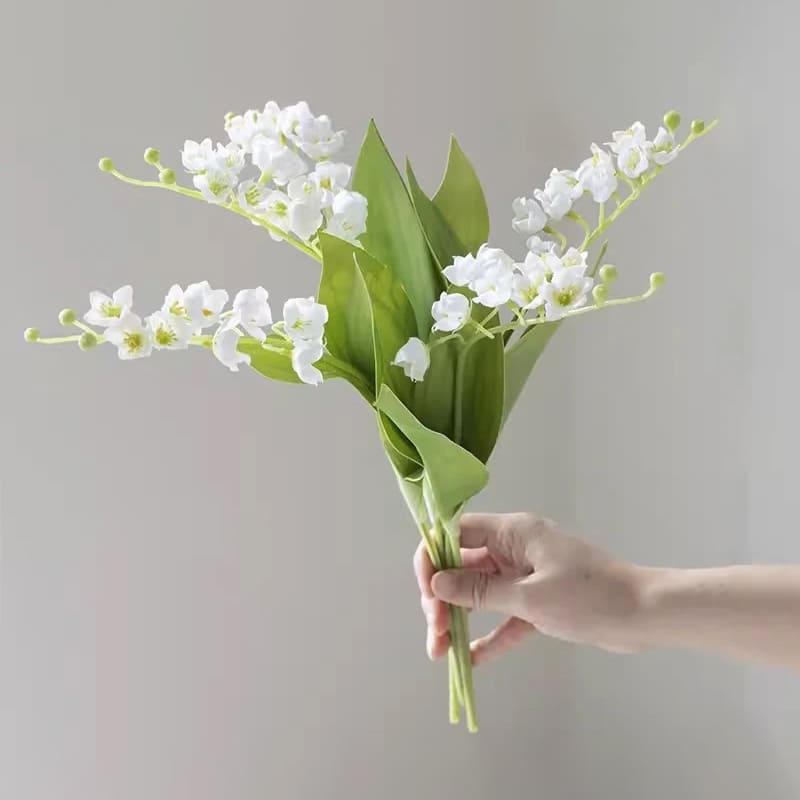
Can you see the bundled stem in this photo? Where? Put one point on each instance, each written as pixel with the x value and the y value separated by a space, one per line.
pixel 441 540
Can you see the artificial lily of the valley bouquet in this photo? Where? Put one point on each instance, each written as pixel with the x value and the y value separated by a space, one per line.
pixel 436 329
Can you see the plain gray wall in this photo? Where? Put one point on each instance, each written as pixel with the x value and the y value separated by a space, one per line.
pixel 206 583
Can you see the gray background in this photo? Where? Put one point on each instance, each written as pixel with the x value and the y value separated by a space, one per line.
pixel 206 584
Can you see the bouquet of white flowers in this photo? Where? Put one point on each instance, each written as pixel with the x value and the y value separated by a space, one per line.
pixel 434 328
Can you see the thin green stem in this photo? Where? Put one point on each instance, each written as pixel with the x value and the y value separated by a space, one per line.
pixel 455 700
pixel 82 326
pixel 61 339
pixel 620 301
pixel 576 217
pixel 478 327
pixel 444 339
pixel 549 229
pixel 230 206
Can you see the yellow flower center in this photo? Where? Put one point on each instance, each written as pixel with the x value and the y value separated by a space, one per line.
pixel 110 310
pixel 134 341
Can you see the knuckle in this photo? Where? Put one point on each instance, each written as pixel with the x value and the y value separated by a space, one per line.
pixel 480 589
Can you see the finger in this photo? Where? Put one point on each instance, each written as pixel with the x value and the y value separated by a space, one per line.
pixel 435 614
pixel 472 589
pixel 423 568
pixel 506 636
pixel 479 559
pixel 437 646
pixel 478 530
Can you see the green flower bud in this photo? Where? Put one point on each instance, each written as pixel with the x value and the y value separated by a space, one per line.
pixel 600 293
pixel 167 176
pixel 698 126
pixel 31 334
pixel 672 119
pixel 608 273
pixel 106 164
pixel 67 316
pixel 87 341
pixel 152 156
pixel 229 116
pixel 657 280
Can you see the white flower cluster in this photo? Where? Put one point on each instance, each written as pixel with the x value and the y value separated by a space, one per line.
pixel 185 314
pixel 631 156
pixel 553 280
pixel 289 194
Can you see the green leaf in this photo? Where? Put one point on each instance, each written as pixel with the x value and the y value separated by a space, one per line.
pixel 460 200
pixel 275 363
pixel 444 244
pixel 394 235
pixel 454 473
pixel 405 459
pixel 391 318
pixel 482 396
pixel 348 334
pixel 433 397
pixel 521 358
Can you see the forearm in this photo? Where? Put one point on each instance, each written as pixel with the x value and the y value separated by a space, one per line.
pixel 749 612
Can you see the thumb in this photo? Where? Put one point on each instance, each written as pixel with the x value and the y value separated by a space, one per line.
pixel 473 589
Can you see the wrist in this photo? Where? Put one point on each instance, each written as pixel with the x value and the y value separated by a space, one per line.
pixel 656 592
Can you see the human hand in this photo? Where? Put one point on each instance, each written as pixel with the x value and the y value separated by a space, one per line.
pixel 544 579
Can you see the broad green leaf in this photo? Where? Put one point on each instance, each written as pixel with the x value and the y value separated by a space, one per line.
pixel 444 244
pixel 460 200
pixel 482 385
pixel 521 358
pixel 482 395
pixel 433 398
pixel 392 320
pixel 393 233
pixel 275 362
pixel 405 459
pixel 454 473
pixel 348 334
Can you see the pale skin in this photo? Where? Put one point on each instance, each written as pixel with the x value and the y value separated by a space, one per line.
pixel 549 582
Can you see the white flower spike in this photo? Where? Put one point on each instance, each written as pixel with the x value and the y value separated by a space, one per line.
pixel 450 312
pixel 414 358
pixel 250 306
pixel 131 337
pixel 107 310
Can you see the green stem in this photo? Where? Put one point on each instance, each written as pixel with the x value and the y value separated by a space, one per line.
pixel 60 339
pixel 455 700
pixel 560 236
pixel 231 206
